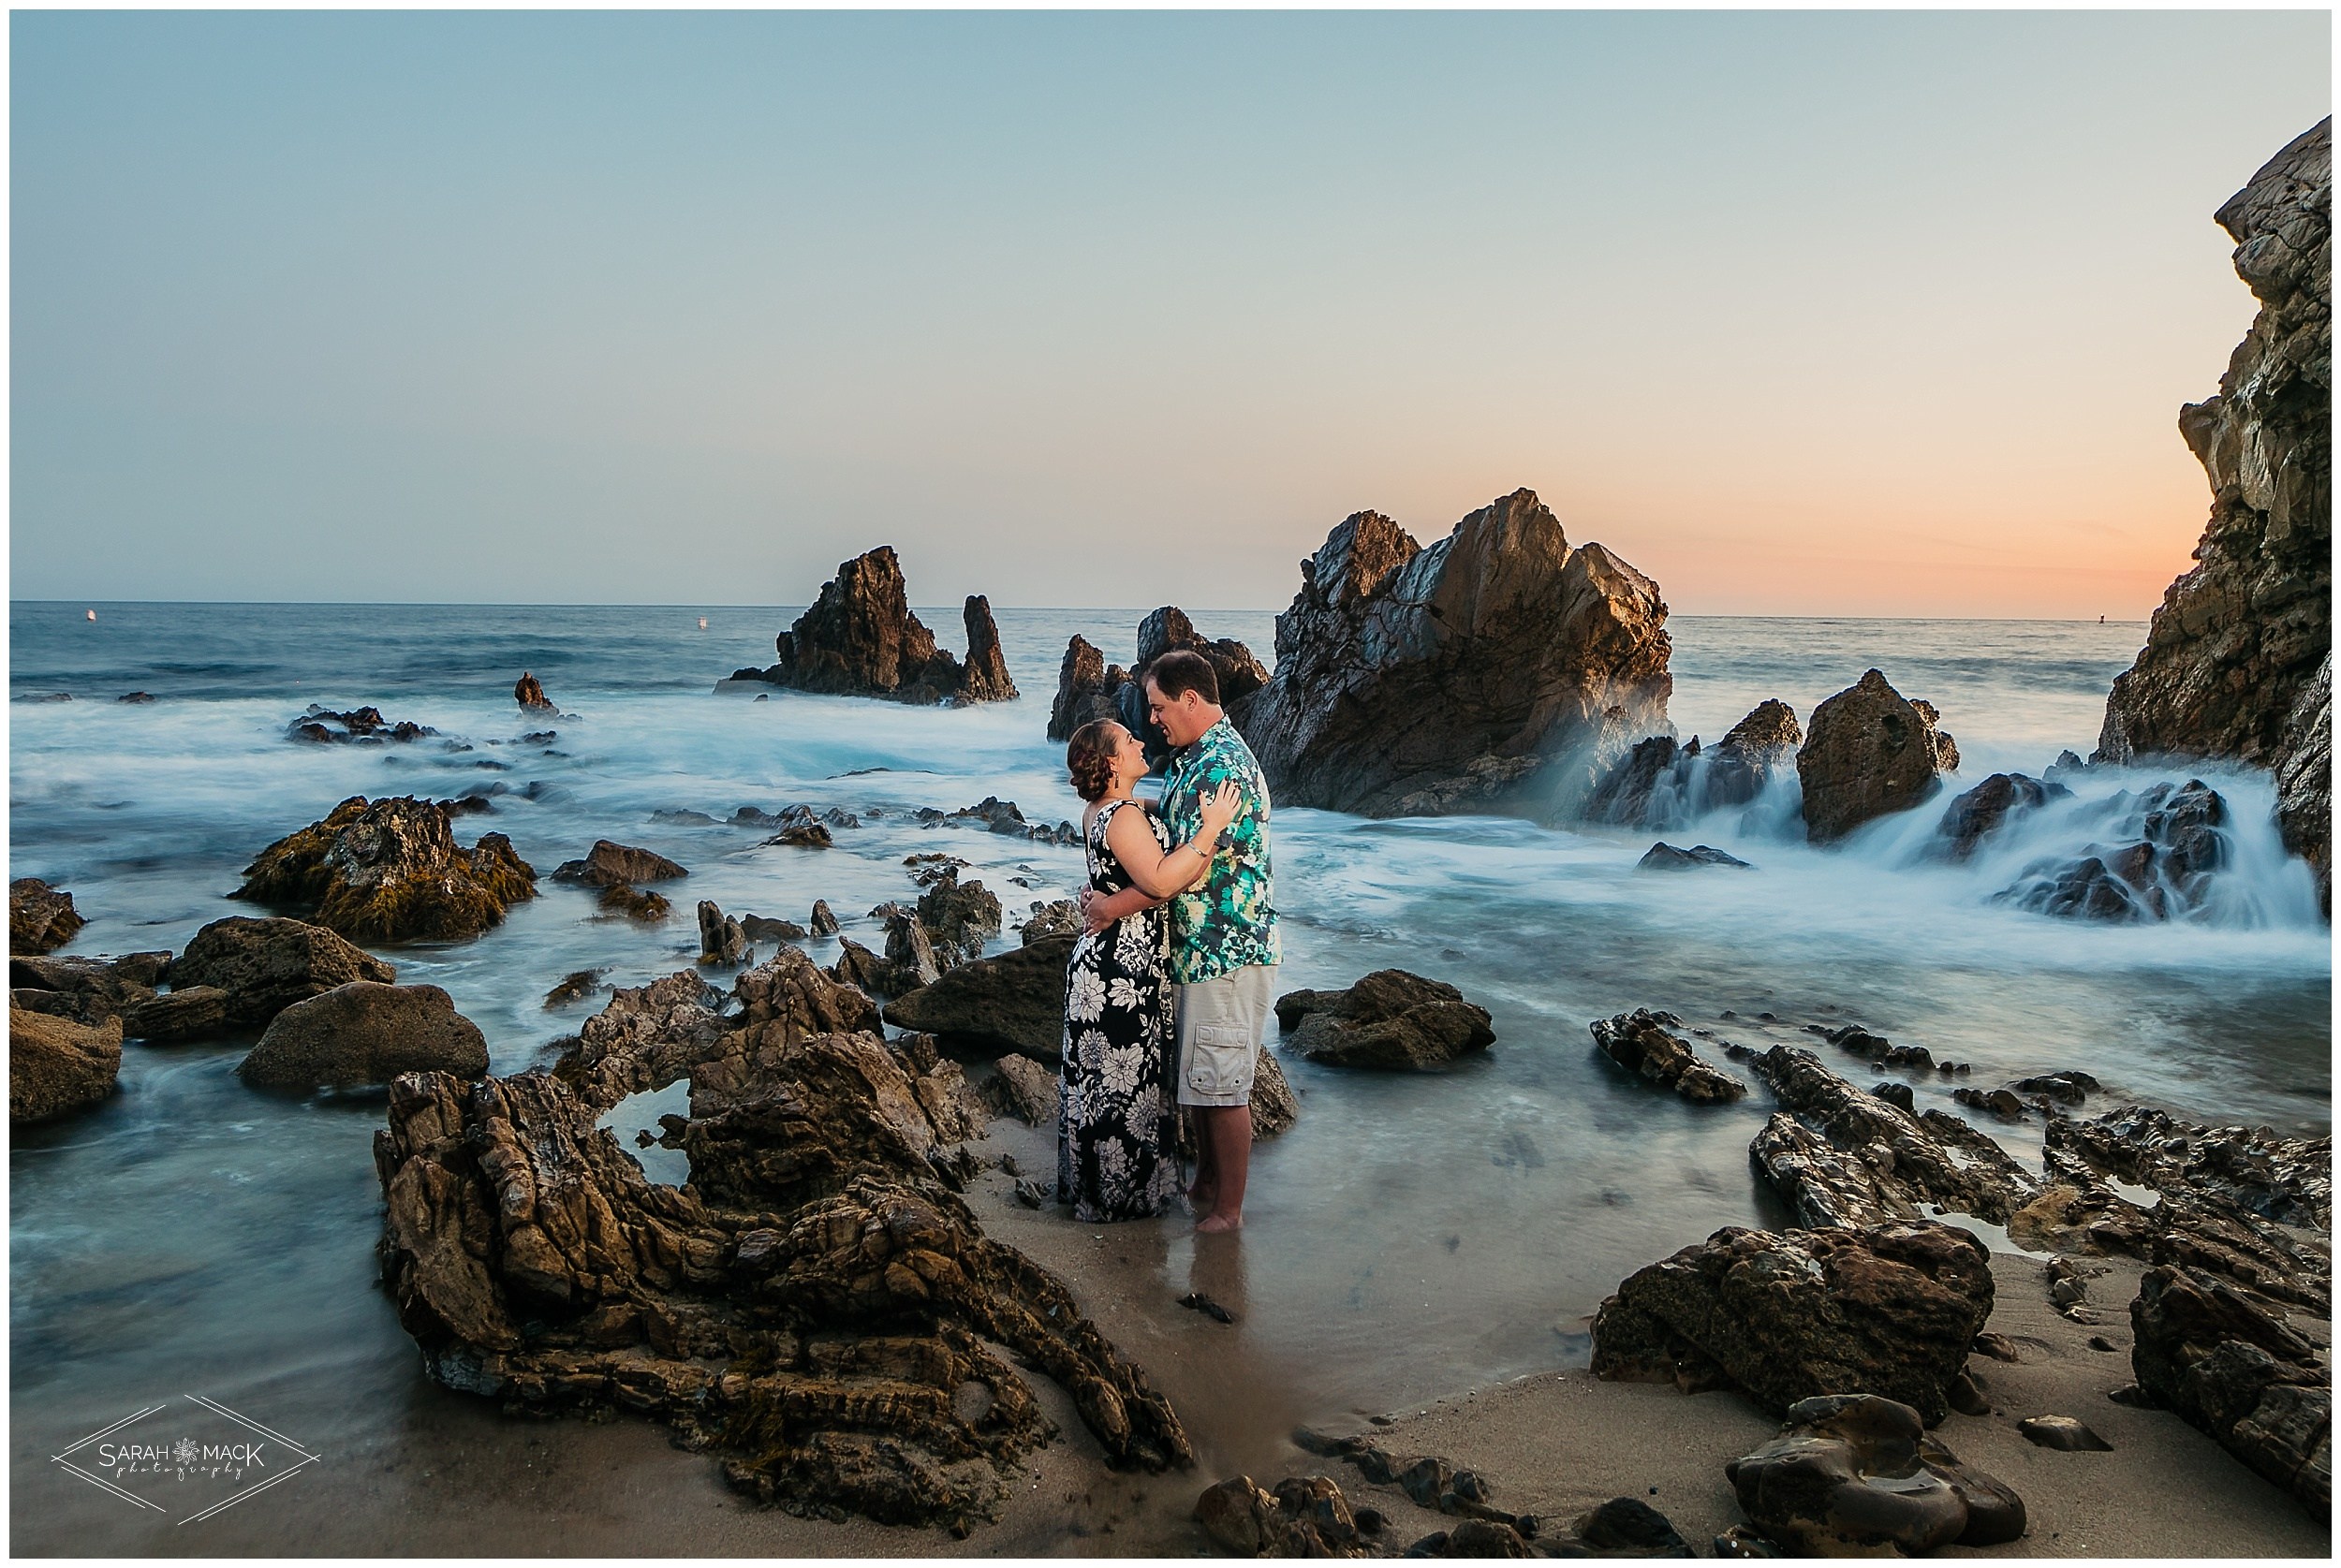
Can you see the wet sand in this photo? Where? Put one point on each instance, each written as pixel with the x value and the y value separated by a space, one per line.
pixel 451 1475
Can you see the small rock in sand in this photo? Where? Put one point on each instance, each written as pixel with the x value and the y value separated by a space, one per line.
pixel 2062 1432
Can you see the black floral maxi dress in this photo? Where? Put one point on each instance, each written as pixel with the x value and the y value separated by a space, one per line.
pixel 1115 1153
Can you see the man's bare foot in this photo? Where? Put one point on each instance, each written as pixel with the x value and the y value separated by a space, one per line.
pixel 1218 1225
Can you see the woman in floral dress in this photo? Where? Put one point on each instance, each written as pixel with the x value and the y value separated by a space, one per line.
pixel 1115 1137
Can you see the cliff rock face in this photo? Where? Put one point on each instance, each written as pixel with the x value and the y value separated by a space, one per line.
pixel 1871 751
pixel 860 639
pixel 1414 681
pixel 2235 656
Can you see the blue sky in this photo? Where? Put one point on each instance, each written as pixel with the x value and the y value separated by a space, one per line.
pixel 1810 313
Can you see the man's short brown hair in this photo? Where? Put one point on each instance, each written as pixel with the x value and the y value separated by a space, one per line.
pixel 1182 671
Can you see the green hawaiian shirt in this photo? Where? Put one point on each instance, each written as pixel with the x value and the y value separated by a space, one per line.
pixel 1230 921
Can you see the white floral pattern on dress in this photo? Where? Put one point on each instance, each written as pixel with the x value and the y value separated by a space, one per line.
pixel 1113 1160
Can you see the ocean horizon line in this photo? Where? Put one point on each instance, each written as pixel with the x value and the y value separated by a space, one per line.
pixel 950 609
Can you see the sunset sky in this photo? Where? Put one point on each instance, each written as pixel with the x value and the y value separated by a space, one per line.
pixel 1800 314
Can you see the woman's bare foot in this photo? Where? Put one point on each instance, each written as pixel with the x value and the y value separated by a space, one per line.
pixel 1218 1225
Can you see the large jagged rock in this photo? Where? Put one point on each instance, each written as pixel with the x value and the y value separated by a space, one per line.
pixel 1977 813
pixel 818 1306
pixel 986 677
pixel 1852 1475
pixel 42 918
pixel 860 638
pixel 1088 688
pixel 1638 1042
pixel 1843 1156
pixel 1869 752
pixel 390 871
pixel 264 966
pixel 530 694
pixel 2231 662
pixel 2239 1372
pixel 1389 1021
pixel 1886 1310
pixel 1239 670
pixel 2167 842
pixel 56 1065
pixel 365 1032
pixel 1085 688
pixel 1013 1001
pixel 1414 681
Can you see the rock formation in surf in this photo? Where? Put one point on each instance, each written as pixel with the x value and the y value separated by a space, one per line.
pixel 2160 850
pixel 2238 662
pixel 818 1307
pixel 860 639
pixel 1089 688
pixel 42 918
pixel 57 1066
pixel 390 871
pixel 1416 681
pixel 1870 752
pixel 1661 785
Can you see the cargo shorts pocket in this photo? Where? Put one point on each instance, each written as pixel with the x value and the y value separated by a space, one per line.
pixel 1219 1065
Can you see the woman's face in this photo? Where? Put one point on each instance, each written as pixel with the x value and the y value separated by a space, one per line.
pixel 1130 759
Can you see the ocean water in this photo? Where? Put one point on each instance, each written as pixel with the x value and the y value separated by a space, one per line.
pixel 1411 1237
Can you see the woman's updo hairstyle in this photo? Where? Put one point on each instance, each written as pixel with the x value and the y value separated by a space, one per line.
pixel 1089 756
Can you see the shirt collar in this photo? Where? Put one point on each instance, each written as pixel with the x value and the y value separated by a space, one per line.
pixel 1194 748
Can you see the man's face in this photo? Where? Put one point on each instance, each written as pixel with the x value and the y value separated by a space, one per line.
pixel 1181 717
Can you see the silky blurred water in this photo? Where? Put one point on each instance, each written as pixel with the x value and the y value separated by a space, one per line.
pixel 1412 1234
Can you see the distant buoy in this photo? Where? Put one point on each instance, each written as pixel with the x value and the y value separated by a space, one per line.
pixel 93 615
pixel 702 622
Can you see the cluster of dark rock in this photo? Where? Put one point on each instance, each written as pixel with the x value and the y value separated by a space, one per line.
pixel 1088 688
pixel 995 815
pixel 1638 1042
pixel 615 869
pixel 359 725
pixel 390 871
pixel 818 1307
pixel 861 639
pixel 1874 1296
pixel 1659 784
pixel 325 1012
pixel 1308 1515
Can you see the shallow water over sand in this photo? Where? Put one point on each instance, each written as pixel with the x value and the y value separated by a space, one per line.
pixel 1410 1237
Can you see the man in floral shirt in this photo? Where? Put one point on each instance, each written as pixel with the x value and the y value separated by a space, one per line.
pixel 1223 930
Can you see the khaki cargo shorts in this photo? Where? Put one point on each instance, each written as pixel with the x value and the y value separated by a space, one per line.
pixel 1221 1023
